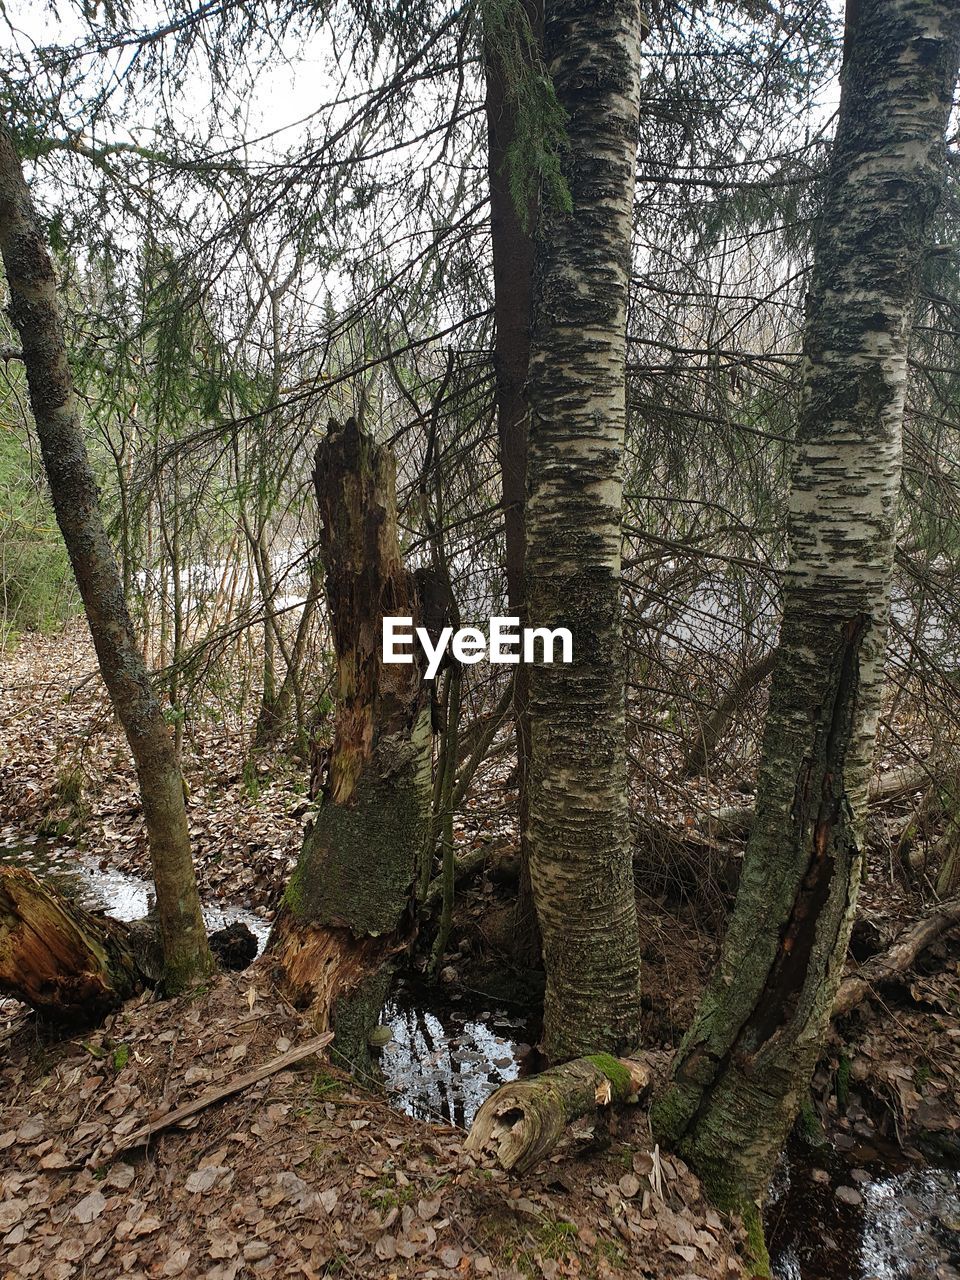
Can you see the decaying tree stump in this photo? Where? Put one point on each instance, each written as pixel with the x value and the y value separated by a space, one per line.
pixel 63 961
pixel 350 904
pixel 524 1120
pixel 74 965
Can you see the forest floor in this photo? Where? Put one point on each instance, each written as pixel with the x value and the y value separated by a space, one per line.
pixel 303 1174
pixel 306 1173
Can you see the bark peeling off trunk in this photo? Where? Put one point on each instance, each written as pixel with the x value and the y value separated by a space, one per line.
pixel 580 855
pixel 350 904
pixel 67 963
pixel 743 1066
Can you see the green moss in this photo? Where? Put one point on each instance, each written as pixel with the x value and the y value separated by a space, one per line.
pixel 388 1195
pixel 610 1253
pixel 554 1237
pixel 533 159
pixel 808 1123
pixel 672 1112
pixel 324 1085
pixel 359 860
pixel 757 1255
pixel 615 1071
pixel 121 1056
pixel 842 1082
pixel 293 894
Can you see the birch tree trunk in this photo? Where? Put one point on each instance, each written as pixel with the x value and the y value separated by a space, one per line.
pixel 35 313
pixel 745 1062
pixel 580 856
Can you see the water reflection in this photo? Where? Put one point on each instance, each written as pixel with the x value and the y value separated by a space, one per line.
pixel 125 897
pixel 443 1061
pixel 886 1224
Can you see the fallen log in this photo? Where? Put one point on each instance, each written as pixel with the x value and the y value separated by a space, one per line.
pixel 74 965
pixel 63 961
pixel 893 963
pixel 736 820
pixel 236 1084
pixel 524 1120
pixel 704 744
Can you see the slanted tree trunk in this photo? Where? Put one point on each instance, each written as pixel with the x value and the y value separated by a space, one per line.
pixel 744 1064
pixel 580 849
pixel 35 313
pixel 511 235
pixel 701 750
pixel 350 904
pixel 894 963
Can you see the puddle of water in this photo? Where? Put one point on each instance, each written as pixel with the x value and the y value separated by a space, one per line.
pixel 125 897
pixel 906 1225
pixel 447 1056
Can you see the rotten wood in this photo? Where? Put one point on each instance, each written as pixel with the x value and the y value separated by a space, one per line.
pixel 523 1121
pixel 350 905
pixel 67 963
pixel 74 965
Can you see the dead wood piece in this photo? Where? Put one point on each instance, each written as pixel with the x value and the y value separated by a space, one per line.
pixel 891 964
pixel 69 964
pixel 212 1096
pixel 736 820
pixel 524 1120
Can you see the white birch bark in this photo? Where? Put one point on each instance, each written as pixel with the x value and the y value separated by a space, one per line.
pixel 580 856
pixel 747 1059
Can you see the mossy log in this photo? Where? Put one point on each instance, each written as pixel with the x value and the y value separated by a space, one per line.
pixel 76 966
pixel 524 1120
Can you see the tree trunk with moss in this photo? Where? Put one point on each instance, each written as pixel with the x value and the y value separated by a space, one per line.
pixel 580 848
pixel 523 1121
pixel 746 1061
pixel 35 313
pixel 350 905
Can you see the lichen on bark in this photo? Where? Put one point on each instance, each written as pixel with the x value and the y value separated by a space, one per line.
pixel 744 1065
pixel 580 849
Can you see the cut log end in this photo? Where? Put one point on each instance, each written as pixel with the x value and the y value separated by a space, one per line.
pixel 65 962
pixel 523 1121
